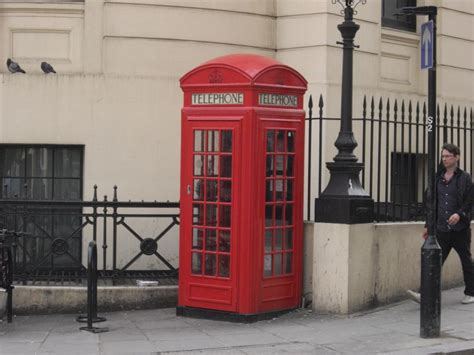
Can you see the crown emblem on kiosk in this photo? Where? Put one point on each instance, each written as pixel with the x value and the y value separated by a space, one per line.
pixel 216 77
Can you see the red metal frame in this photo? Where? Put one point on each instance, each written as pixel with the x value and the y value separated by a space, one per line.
pixel 249 116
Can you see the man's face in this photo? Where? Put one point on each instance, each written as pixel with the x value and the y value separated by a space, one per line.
pixel 449 159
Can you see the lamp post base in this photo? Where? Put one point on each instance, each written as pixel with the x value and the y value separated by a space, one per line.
pixel 348 210
pixel 344 199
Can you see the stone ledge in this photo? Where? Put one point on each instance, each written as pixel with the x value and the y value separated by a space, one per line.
pixel 69 299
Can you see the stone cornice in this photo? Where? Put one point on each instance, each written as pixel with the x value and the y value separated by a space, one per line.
pixel 39 9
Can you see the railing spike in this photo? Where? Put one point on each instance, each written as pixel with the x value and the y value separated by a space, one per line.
pixel 115 193
pixel 94 198
pixel 321 101
pixel 310 103
pixel 380 104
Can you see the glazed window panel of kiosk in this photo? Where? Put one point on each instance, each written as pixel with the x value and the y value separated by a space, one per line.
pixel 212 202
pixel 279 203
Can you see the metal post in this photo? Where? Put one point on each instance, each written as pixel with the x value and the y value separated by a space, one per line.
pixel 431 259
pixel 91 316
pixel 344 199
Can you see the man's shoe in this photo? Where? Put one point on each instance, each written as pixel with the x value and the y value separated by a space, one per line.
pixel 414 296
pixel 467 299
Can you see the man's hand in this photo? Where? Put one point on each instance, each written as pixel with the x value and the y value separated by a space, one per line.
pixel 425 233
pixel 454 219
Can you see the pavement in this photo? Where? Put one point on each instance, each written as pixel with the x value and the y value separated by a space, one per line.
pixel 392 329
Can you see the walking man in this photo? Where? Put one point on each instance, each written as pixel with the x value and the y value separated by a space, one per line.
pixel 454 202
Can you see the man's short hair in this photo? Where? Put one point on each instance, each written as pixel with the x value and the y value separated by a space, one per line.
pixel 452 148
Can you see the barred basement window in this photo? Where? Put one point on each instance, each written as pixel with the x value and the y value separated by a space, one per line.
pixel 389 19
pixel 44 172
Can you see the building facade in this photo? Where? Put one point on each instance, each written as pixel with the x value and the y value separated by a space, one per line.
pixel 111 114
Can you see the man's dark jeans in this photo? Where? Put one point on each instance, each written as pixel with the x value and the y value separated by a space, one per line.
pixel 461 242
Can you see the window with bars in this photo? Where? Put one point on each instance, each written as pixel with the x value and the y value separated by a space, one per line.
pixel 279 202
pixel 38 172
pixel 390 9
pixel 212 202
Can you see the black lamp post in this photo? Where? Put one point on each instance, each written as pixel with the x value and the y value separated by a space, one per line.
pixel 344 199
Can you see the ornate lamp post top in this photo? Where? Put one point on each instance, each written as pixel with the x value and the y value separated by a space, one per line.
pixel 349 3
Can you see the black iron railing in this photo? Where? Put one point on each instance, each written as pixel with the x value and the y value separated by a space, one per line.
pixel 47 252
pixel 6 272
pixel 392 144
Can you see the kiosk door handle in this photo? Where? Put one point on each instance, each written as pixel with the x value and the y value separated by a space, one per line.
pixel 188 189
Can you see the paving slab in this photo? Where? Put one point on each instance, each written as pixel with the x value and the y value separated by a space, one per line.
pixel 392 329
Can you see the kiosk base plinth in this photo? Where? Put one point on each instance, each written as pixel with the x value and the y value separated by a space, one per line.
pixel 213 314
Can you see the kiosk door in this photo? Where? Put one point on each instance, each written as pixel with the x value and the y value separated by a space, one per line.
pixel 281 236
pixel 210 203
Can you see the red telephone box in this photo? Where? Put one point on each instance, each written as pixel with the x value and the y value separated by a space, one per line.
pixel 242 162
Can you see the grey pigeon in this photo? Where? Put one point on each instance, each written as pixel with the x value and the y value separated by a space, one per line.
pixel 47 68
pixel 14 67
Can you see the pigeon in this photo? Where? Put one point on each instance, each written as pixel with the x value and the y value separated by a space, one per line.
pixel 14 67
pixel 47 68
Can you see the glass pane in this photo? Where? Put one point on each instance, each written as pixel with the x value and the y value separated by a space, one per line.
pixel 269 190
pixel 198 165
pixel 268 240
pixel 224 265
pixel 211 239
pixel 39 162
pixel 280 159
pixel 287 262
pixel 211 190
pixel 212 141
pixel 279 187
pixel 39 189
pixel 198 141
pixel 198 214
pixel 198 236
pixel 224 241
pixel 267 265
pixel 280 146
pixel 279 215
pixel 67 162
pixel 290 167
pixel 67 189
pixel 226 165
pixel 211 215
pixel 210 265
pixel 268 215
pixel 13 188
pixel 226 191
pixel 277 258
pixel 198 194
pixel 196 263
pixel 278 239
pixel 65 226
pixel 289 190
pixel 270 147
pixel 227 141
pixel 289 238
pixel 269 166
pixel 224 216
pixel 290 135
pixel 289 214
pixel 12 162
pixel 212 165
